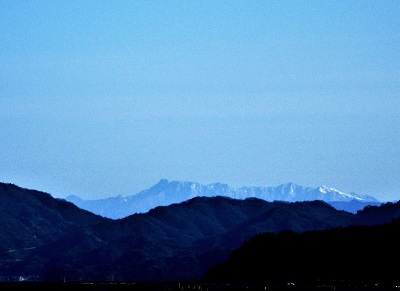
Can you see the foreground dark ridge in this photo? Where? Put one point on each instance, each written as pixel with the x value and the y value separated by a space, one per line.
pixel 47 239
pixel 202 286
pixel 354 253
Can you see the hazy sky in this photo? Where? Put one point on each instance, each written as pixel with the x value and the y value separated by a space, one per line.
pixel 105 98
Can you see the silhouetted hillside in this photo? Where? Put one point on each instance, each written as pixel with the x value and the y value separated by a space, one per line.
pixel 50 239
pixel 341 255
pixel 182 240
pixel 31 219
pixel 354 205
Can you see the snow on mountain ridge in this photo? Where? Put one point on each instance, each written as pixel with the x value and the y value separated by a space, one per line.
pixel 286 191
pixel 167 192
pixel 324 189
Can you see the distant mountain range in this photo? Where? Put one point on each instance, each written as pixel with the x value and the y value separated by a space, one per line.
pixel 48 239
pixel 168 192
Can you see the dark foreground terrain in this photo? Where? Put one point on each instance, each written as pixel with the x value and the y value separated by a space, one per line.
pixel 215 243
pixel 172 286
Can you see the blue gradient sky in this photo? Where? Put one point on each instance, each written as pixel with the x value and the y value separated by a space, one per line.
pixel 105 98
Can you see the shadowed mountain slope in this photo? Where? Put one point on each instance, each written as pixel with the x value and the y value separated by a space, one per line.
pixel 31 218
pixel 58 241
pixel 353 256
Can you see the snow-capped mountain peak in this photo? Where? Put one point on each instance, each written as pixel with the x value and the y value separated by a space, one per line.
pixel 331 194
pixel 167 192
pixel 325 189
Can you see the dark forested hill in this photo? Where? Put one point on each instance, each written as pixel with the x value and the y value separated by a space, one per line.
pixel 49 239
pixel 345 255
pixel 30 218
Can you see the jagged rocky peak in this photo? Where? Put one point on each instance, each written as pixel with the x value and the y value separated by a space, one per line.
pixel 161 184
pixel 174 185
pixel 188 186
pixel 290 188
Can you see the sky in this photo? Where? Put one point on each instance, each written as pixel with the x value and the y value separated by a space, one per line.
pixel 105 98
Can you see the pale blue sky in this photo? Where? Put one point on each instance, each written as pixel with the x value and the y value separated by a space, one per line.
pixel 105 98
